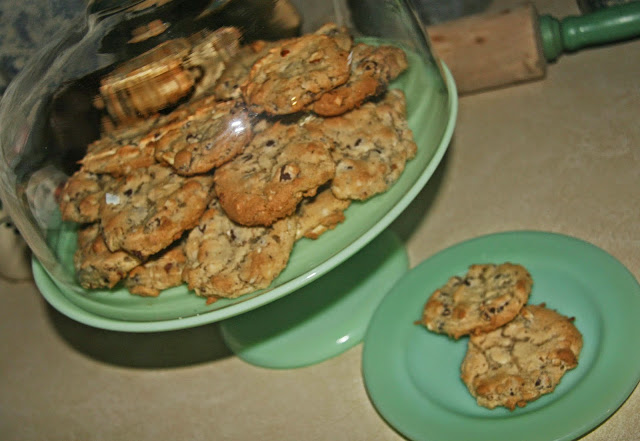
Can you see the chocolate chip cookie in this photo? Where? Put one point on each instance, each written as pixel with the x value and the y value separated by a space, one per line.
pixel 487 297
pixel 82 194
pixel 151 208
pixel 371 146
pixel 319 214
pixel 295 73
pixel 282 165
pixel 211 136
pixel 522 360
pixel 372 69
pixel 160 272
pixel 96 266
pixel 119 151
pixel 225 259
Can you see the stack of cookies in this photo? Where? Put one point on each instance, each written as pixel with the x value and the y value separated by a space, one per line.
pixel 516 352
pixel 215 191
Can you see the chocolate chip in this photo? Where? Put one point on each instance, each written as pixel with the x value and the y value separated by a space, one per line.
pixel 128 192
pixel 138 255
pixel 284 52
pixel 270 143
pixel 358 141
pixel 370 65
pixel 284 176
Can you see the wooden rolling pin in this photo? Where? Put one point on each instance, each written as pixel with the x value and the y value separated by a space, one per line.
pixel 487 51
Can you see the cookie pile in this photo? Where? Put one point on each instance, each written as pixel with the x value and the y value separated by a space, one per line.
pixel 215 192
pixel 516 352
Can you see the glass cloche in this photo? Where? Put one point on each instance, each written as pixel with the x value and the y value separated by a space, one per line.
pixel 173 163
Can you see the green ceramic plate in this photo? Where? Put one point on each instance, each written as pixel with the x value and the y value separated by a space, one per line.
pixel 431 106
pixel 412 375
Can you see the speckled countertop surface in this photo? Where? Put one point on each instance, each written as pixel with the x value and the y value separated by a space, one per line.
pixel 560 155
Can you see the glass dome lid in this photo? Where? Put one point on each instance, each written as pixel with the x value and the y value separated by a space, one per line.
pixel 190 160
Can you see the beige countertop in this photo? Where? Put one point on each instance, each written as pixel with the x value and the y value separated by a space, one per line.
pixel 560 155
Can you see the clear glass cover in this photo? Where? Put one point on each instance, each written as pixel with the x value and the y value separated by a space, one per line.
pixel 139 127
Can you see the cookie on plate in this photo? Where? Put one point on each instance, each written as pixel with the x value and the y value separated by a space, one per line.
pixel 124 149
pixel 82 194
pixel 225 259
pixel 282 165
pixel 487 297
pixel 96 266
pixel 319 214
pixel 522 360
pixel 120 151
pixel 371 146
pixel 372 69
pixel 151 208
pixel 295 73
pixel 158 273
pixel 211 136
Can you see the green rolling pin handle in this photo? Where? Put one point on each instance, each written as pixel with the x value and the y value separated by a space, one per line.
pixel 607 25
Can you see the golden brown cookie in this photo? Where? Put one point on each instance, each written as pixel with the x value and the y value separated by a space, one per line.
pixel 295 73
pixel 522 360
pixel 282 165
pixel 151 208
pixel 160 272
pixel 372 69
pixel 370 146
pixel 96 266
pixel 225 259
pixel 319 214
pixel 211 136
pixel 120 151
pixel 487 297
pixel 82 194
